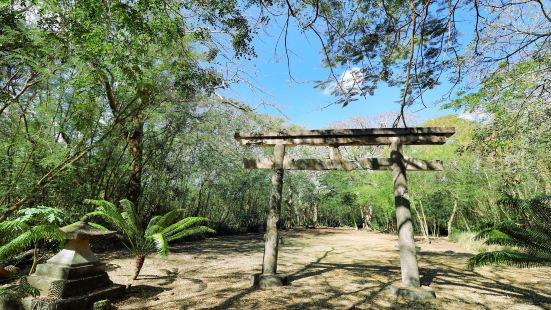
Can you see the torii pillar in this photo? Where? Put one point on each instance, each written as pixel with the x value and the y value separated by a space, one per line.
pixel 269 276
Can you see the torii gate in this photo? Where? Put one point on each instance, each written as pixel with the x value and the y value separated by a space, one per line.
pixel 333 138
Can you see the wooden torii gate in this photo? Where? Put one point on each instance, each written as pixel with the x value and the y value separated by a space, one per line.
pixel 333 138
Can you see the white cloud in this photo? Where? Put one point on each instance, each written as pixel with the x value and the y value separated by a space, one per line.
pixel 349 80
pixel 476 116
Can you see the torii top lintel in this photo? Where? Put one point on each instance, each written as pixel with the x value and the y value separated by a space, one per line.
pixel 337 137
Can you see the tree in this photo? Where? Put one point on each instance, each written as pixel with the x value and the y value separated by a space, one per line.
pixel 87 65
pixel 416 45
pixel 153 238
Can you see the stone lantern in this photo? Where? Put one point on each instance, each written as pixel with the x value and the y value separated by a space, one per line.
pixel 74 278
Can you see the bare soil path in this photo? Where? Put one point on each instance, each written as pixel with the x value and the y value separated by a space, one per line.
pixel 329 269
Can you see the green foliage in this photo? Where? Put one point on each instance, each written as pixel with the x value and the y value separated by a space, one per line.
pixel 76 75
pixel 41 214
pixel 33 226
pixel 530 240
pixel 160 230
pixel 30 227
pixel 15 292
pixel 31 236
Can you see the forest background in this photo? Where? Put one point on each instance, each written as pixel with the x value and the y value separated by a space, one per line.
pixel 128 99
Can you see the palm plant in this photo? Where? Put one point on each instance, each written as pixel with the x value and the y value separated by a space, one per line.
pixel 528 244
pixel 32 226
pixel 154 238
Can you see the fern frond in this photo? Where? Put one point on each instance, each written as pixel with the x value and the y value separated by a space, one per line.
pixel 190 232
pixel 9 229
pixel 17 291
pixel 130 215
pixel 131 228
pixel 109 213
pixel 161 243
pixel 509 258
pixel 170 217
pixel 17 245
pixel 100 203
pixel 98 226
pixel 49 232
pixel 28 238
pixel 526 237
pixel 152 227
pixel 153 230
pixel 183 224
pixel 498 237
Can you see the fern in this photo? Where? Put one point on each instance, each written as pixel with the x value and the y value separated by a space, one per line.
pixel 32 226
pixel 509 258
pixel 30 238
pixel 161 243
pixel 18 291
pixel 530 240
pixel 160 230
pixel 183 224
pixel 191 232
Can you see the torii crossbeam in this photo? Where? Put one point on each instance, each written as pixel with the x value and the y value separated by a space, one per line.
pixel 333 138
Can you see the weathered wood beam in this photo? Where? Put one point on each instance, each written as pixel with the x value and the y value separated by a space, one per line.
pixel 353 132
pixel 411 164
pixel 336 137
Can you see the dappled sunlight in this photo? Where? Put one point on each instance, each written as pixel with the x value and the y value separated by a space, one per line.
pixel 328 268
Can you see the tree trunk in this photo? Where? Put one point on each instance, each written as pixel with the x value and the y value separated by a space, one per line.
pixel 315 214
pixel 424 229
pixel 138 264
pixel 366 217
pixel 35 259
pixel 353 218
pixel 452 217
pixel 466 224
pixel 289 203
pixel 424 220
pixel 135 143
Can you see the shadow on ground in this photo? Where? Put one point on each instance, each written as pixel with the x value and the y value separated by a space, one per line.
pixel 330 270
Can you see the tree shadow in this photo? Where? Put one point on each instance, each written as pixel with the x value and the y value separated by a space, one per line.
pixel 200 284
pixel 222 246
pixel 143 291
pixel 427 276
pixel 169 276
pixel 375 276
pixel 228 303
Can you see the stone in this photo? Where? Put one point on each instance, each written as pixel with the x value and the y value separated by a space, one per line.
pixel 268 281
pixel 74 278
pixel 83 302
pixel 412 293
pixel 76 252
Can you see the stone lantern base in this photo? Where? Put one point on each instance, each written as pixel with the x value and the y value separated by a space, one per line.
pixel 64 287
pixel 72 279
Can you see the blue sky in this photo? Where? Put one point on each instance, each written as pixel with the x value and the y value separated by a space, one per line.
pixel 299 101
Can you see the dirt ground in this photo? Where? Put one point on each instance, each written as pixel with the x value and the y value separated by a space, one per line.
pixel 329 269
